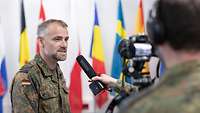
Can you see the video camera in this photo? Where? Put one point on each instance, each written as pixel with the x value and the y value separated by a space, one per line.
pixel 135 52
pixel 137 47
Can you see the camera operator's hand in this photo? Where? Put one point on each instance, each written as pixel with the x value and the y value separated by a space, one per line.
pixel 106 79
pixel 115 83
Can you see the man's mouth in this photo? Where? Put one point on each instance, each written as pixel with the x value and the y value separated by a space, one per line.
pixel 64 51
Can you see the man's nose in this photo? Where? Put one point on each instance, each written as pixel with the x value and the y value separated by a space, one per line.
pixel 64 43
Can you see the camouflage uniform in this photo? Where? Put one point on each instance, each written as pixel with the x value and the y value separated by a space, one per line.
pixel 128 88
pixel 37 89
pixel 177 92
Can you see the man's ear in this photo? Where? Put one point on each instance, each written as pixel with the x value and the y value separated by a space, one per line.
pixel 41 42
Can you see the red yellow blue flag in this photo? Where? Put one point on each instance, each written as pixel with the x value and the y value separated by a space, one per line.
pixel 98 58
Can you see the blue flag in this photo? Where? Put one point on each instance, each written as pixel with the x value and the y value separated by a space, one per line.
pixel 120 34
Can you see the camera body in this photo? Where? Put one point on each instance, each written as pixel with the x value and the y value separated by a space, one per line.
pixel 135 52
pixel 137 47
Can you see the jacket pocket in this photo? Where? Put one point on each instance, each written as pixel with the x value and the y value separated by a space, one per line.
pixel 48 91
pixel 49 98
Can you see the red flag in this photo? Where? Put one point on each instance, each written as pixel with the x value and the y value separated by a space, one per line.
pixel 75 93
pixel 98 58
pixel 139 23
pixel 103 96
pixel 139 28
pixel 42 17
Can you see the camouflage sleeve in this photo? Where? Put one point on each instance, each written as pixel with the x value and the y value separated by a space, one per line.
pixel 23 96
pixel 128 88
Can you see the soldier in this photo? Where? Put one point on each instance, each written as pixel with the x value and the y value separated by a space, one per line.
pixel 39 86
pixel 174 27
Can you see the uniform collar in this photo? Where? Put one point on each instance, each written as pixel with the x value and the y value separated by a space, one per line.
pixel 180 71
pixel 44 67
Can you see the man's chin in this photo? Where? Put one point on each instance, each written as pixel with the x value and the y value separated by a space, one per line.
pixel 61 57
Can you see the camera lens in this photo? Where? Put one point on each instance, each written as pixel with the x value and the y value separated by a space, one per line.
pixel 125 49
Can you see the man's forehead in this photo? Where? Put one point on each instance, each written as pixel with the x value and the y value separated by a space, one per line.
pixel 56 33
pixel 56 28
pixel 56 24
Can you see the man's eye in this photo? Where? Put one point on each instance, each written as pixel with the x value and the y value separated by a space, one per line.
pixel 66 38
pixel 57 38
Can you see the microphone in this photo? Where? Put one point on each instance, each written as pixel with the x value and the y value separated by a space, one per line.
pixel 87 68
pixel 96 86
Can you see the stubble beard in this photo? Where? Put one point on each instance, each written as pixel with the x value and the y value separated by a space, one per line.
pixel 60 57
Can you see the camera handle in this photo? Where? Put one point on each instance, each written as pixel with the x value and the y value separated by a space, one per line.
pixel 116 101
pixel 123 74
pixel 122 94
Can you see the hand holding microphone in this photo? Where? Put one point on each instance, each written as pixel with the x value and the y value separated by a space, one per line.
pixel 96 86
pixel 106 79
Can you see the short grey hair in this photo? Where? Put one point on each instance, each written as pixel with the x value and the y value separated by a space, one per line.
pixel 42 28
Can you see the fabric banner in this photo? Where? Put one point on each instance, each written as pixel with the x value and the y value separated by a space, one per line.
pixel 42 18
pixel 97 55
pixel 3 72
pixel 24 55
pixel 120 34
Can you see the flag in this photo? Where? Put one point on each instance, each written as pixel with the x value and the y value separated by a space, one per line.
pixel 42 18
pixel 97 55
pixel 75 86
pixel 24 55
pixel 3 72
pixel 120 34
pixel 139 29
pixel 139 24
pixel 75 89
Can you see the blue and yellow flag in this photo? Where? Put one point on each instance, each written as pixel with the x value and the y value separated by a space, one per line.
pixel 24 54
pixel 120 34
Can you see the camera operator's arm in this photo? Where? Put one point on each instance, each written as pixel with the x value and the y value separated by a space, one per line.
pixel 115 83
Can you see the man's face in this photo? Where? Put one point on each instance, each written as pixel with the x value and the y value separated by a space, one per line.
pixel 55 43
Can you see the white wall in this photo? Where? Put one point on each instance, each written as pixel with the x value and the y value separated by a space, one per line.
pixel 79 15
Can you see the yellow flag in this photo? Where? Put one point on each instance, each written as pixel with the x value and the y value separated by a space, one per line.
pixel 24 55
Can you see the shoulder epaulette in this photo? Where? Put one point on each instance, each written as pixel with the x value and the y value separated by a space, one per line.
pixel 26 68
